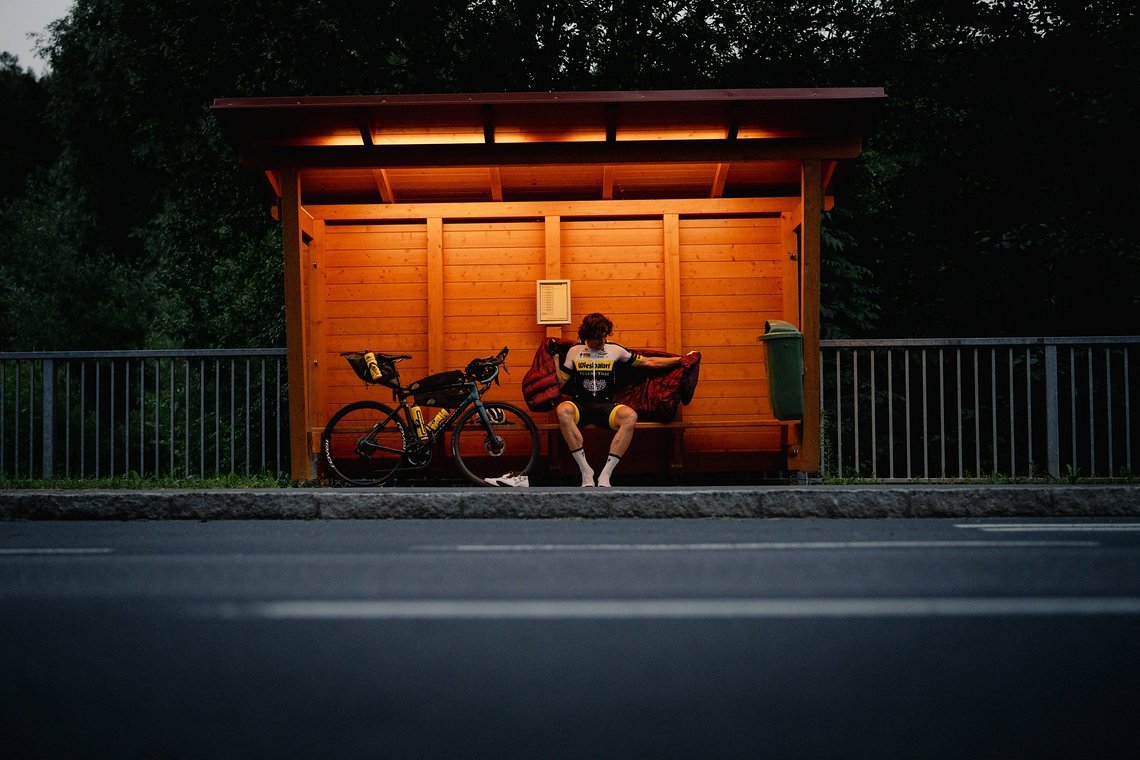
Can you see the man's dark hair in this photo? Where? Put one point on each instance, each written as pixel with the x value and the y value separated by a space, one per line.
pixel 595 326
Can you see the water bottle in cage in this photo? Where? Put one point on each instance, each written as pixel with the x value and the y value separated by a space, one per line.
pixel 422 431
pixel 373 367
pixel 438 419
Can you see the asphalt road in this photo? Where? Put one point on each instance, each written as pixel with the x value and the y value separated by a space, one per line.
pixel 571 638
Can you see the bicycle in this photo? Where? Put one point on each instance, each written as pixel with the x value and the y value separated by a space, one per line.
pixel 365 443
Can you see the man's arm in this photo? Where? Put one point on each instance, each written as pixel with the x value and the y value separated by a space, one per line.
pixel 564 370
pixel 657 362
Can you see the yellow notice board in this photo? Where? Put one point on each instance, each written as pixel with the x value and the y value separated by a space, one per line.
pixel 553 297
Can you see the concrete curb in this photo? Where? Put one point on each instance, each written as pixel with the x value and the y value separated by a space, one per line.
pixel 873 502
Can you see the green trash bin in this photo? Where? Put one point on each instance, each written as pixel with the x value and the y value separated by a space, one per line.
pixel 784 347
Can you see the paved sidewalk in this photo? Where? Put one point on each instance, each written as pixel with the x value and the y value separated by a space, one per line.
pixel 873 501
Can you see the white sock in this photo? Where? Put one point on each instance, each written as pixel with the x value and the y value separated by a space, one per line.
pixel 611 462
pixel 587 471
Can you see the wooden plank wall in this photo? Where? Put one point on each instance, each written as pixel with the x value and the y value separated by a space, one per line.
pixel 732 281
pixel 732 275
pixel 489 272
pixel 375 299
pixel 616 266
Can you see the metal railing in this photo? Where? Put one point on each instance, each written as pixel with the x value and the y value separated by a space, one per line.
pixel 892 410
pixel 979 407
pixel 180 414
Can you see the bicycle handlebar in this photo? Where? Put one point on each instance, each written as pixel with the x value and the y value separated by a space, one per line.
pixel 477 369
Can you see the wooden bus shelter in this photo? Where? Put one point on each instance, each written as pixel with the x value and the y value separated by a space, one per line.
pixel 423 224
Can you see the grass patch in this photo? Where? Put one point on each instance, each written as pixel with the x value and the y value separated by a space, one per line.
pixel 134 481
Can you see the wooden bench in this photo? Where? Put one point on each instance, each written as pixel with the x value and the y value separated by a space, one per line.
pixel 676 436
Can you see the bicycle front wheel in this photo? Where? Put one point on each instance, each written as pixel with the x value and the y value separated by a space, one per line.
pixel 509 447
pixel 363 444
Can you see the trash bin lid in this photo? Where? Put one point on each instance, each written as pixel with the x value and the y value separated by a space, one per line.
pixel 775 329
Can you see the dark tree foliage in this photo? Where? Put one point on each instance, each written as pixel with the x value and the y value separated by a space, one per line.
pixel 26 141
pixel 992 198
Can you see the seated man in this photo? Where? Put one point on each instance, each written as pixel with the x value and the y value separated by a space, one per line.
pixel 587 377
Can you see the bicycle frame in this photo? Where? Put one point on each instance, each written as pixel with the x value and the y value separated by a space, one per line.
pixel 474 397
pixel 419 446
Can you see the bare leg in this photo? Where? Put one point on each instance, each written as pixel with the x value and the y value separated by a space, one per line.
pixel 567 423
pixel 625 418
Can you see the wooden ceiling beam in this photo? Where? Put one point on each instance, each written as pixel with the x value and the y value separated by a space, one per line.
pixel 718 181
pixel 829 168
pixel 488 112
pixel 496 184
pixel 611 122
pixel 364 124
pixel 384 184
pixel 732 128
pixel 541 154
pixel 607 182
pixel 274 182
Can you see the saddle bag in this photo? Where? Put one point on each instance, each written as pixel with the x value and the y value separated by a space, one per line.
pixel 389 375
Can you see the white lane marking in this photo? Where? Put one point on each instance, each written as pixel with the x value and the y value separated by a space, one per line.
pixel 626 609
pixel 52 551
pixel 765 546
pixel 1052 527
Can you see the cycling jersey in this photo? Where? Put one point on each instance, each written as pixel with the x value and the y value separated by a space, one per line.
pixel 591 373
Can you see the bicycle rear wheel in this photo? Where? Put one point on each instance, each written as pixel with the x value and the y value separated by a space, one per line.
pixel 509 448
pixel 363 443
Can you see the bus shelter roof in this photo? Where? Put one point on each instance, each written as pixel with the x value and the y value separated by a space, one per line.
pixel 549 145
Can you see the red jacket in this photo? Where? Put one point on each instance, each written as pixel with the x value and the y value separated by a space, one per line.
pixel 653 394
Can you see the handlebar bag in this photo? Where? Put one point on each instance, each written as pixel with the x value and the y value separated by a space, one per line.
pixel 445 389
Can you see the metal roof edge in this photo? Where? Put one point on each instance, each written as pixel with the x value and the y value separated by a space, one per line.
pixel 550 98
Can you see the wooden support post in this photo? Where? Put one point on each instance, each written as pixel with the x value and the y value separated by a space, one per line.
pixel 672 248
pixel 296 319
pixel 790 242
pixel 553 227
pixel 790 223
pixel 807 458
pixel 317 330
pixel 671 226
pixel 435 295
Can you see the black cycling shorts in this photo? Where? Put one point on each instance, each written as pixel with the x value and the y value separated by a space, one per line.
pixel 596 413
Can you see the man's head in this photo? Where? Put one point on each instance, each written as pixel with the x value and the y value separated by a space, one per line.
pixel 594 330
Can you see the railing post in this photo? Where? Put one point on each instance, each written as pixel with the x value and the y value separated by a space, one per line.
pixel 1052 415
pixel 48 408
